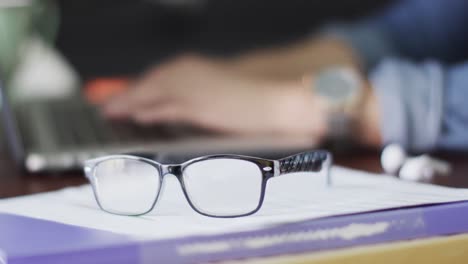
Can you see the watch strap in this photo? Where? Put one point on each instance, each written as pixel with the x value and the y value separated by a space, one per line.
pixel 339 126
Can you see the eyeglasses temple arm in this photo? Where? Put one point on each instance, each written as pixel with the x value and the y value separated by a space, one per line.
pixel 311 161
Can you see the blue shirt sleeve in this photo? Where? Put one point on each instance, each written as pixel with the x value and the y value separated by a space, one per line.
pixel 420 29
pixel 423 105
pixel 415 29
pixel 422 101
pixel 454 129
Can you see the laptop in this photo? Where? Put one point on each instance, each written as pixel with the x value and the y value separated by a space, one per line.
pixel 60 134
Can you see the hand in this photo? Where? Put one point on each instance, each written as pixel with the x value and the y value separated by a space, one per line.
pixel 211 95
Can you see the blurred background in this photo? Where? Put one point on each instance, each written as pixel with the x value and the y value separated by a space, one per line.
pixel 122 37
pixel 61 62
pixel 56 51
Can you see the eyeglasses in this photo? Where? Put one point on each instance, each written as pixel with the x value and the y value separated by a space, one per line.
pixel 215 186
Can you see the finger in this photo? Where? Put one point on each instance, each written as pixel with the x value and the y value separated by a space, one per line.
pixel 167 113
pixel 140 96
pixel 116 107
pixel 145 93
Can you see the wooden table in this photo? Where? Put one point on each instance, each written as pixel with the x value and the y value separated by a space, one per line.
pixel 14 182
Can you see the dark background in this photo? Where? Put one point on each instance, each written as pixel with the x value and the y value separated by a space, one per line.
pixel 123 37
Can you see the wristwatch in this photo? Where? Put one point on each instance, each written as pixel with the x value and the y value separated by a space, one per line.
pixel 341 90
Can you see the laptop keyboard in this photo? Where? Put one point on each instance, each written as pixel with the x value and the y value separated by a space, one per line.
pixel 70 124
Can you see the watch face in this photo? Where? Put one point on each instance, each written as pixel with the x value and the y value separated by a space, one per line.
pixel 338 85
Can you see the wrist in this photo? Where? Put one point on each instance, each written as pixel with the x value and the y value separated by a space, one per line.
pixel 340 90
pixel 348 104
pixel 300 112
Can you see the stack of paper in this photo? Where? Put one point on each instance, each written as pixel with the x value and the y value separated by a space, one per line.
pixel 287 199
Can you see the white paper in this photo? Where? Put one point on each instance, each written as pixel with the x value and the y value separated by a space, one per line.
pixel 288 198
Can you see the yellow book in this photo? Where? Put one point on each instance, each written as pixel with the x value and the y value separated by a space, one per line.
pixel 447 249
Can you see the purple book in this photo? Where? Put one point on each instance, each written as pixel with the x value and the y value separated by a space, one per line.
pixel 28 240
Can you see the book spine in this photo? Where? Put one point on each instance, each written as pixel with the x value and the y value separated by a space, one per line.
pixel 307 236
pixel 312 236
pixel 123 254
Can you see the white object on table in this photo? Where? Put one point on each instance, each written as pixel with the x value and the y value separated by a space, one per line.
pixel 424 168
pixel 392 158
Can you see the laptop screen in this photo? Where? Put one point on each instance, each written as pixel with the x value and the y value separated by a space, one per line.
pixel 9 124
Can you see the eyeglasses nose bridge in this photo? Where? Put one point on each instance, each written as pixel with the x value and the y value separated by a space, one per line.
pixel 173 169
